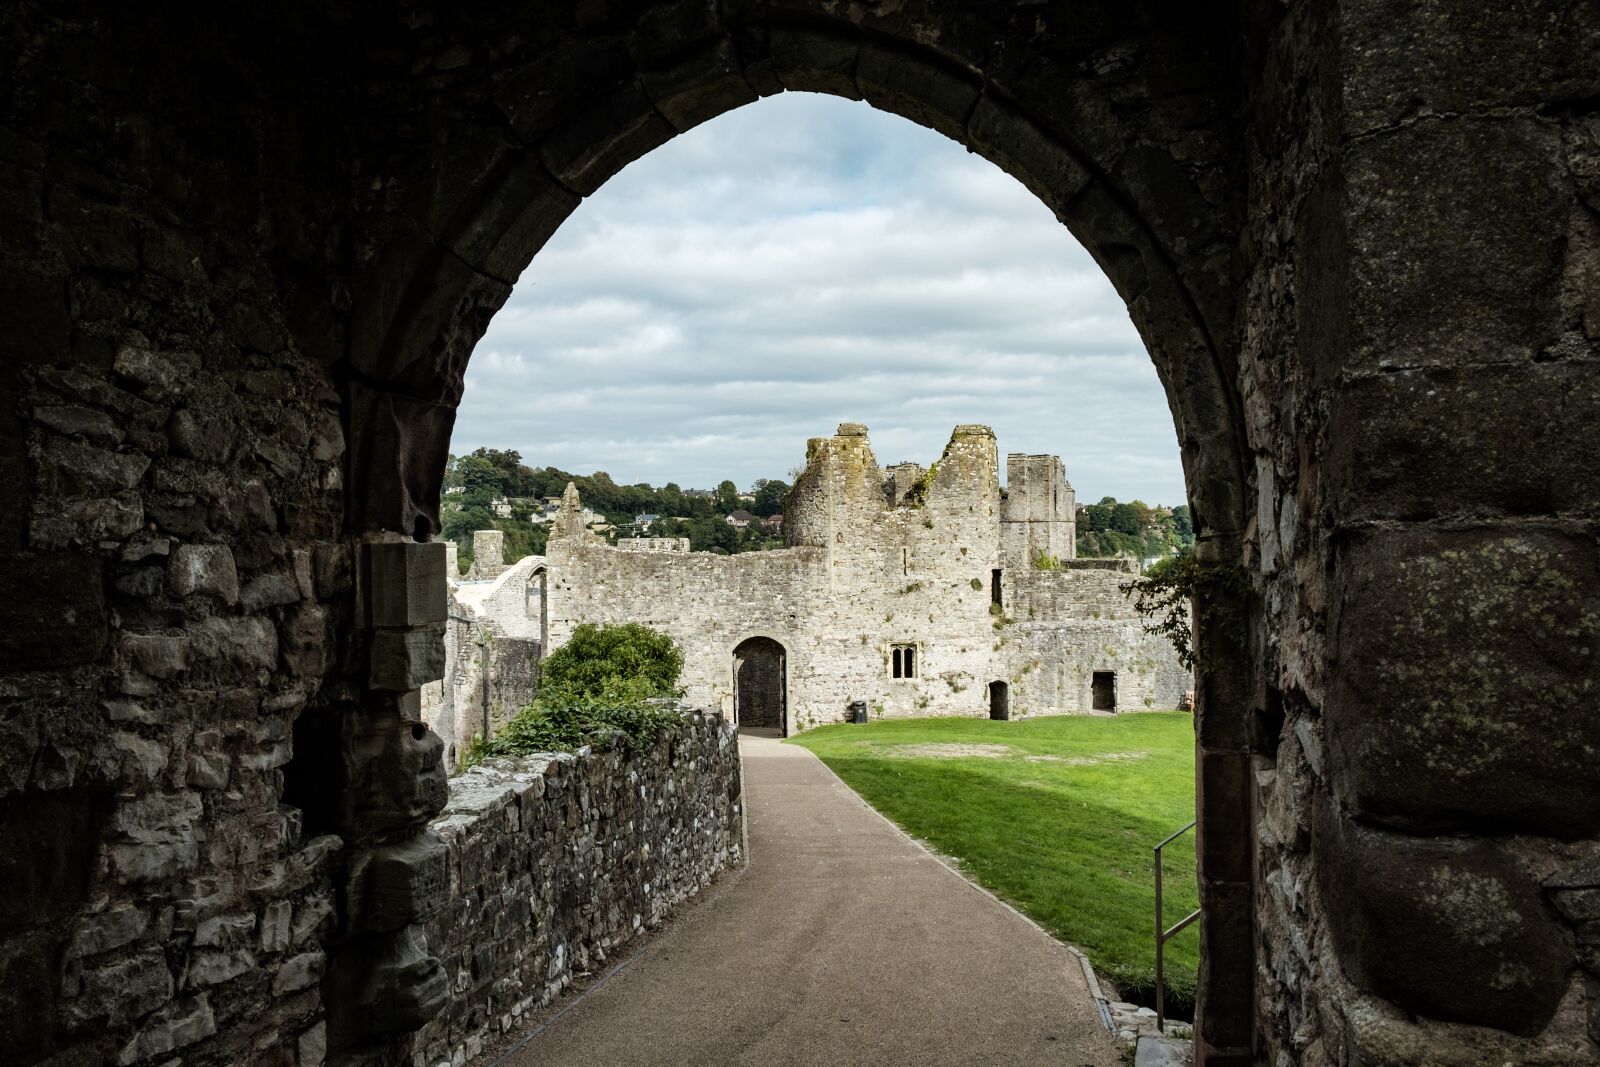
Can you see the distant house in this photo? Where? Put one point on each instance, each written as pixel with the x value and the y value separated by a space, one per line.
pixel 643 520
pixel 501 506
pixel 774 522
pixel 740 519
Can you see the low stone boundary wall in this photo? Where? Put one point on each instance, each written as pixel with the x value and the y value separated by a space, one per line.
pixel 556 860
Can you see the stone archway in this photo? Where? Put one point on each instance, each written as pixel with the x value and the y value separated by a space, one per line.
pixel 761 685
pixel 250 250
pixel 1143 199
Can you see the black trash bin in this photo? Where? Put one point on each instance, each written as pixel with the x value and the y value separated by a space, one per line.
pixel 858 712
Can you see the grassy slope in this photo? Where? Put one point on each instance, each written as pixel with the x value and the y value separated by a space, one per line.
pixel 1068 844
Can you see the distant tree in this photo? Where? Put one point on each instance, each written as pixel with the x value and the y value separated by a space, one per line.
pixel 458 524
pixel 1125 519
pixel 1183 524
pixel 727 496
pixel 769 493
pixel 478 476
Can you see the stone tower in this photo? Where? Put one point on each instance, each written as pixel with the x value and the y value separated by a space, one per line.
pixel 1039 516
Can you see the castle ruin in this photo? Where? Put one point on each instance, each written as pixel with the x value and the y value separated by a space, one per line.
pixel 914 591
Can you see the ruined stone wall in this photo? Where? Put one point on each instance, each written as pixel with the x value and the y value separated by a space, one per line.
pixel 864 574
pixel 554 863
pixel 180 488
pixel 493 628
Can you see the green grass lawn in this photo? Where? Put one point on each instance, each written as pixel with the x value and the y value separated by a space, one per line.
pixel 1060 821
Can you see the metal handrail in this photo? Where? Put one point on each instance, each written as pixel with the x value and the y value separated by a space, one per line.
pixel 1163 934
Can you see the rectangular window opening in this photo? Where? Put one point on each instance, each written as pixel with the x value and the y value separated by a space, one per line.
pixel 903 661
pixel 995 595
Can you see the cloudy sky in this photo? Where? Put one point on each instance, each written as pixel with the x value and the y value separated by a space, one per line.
pixel 802 262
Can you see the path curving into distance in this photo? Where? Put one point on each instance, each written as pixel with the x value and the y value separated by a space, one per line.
pixel 842 943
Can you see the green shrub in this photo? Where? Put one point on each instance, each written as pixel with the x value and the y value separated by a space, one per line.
pixel 603 688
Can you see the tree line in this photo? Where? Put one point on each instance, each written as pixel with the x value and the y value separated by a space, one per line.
pixel 473 481
pixel 1113 528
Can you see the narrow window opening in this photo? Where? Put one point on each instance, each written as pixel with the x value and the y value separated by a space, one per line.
pixel 994 588
pixel 903 661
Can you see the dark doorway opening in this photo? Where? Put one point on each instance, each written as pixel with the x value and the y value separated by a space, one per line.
pixel 760 687
pixel 999 701
pixel 1104 691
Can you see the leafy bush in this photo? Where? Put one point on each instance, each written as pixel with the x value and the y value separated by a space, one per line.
pixel 1171 589
pixel 605 687
pixel 616 664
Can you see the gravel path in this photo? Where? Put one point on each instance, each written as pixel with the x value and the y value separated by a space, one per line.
pixel 843 942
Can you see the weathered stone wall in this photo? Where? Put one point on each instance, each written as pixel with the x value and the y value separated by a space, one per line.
pixel 863 574
pixel 180 487
pixel 556 862
pixel 494 629
pixel 1427 793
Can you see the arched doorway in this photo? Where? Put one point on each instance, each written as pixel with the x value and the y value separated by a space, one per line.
pixel 999 701
pixel 760 685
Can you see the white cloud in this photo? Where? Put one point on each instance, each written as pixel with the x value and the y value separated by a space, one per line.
pixel 802 262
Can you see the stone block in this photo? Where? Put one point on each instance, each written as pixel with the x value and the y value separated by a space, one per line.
pixel 75 420
pixel 406 583
pixel 616 130
pixel 121 991
pixel 1030 154
pixel 109 929
pixel 207 569
pixel 86 522
pixel 71 468
pixel 269 591
pixel 305 640
pixel 52 610
pixel 1464 441
pixel 312 1046
pixel 1464 695
pixel 1437 56
pixel 160 376
pixel 233 647
pixel 157 655
pixel 1449 928
pixel 1224 835
pixel 175 1026
pixel 1467 272
pixel 383 985
pixel 402 660
pixel 813 61
pixel 297 973
pixel 929 95
pixel 700 86
pixel 275 919
pixel 397 885
pixel 394 769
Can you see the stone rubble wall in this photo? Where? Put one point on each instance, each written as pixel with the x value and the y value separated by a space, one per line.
pixel 863 574
pixel 183 488
pixel 494 628
pixel 557 862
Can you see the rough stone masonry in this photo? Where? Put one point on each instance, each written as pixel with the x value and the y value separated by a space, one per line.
pixel 248 251
pixel 915 591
